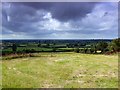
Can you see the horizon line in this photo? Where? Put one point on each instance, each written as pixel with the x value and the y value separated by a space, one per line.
pixel 64 39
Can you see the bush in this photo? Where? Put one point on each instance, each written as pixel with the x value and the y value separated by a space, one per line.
pixel 14 56
pixel 91 51
pixel 39 45
pixel 14 47
pixel 54 49
pixel 102 46
pixel 29 50
pixel 85 50
pixel 77 50
pixel 115 45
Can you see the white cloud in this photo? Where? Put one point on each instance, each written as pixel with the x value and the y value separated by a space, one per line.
pixel 50 23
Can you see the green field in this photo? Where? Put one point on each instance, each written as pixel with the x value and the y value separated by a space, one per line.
pixel 61 70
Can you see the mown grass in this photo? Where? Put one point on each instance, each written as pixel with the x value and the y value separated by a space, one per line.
pixel 61 70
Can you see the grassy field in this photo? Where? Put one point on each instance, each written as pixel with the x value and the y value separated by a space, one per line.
pixel 61 70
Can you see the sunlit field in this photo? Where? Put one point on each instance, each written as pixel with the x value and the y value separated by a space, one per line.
pixel 61 70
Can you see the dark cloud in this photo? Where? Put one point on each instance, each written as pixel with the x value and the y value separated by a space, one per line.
pixel 19 13
pixel 25 12
pixel 38 5
pixel 63 11
pixel 71 11
pixel 27 18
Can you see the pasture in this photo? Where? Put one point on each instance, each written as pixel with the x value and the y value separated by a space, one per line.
pixel 61 70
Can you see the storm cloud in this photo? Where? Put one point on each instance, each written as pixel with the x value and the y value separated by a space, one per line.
pixel 62 11
pixel 53 19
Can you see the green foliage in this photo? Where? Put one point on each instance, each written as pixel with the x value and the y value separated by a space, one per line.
pixel 85 50
pixel 77 50
pixel 76 45
pixel 14 47
pixel 39 45
pixel 67 45
pixel 91 50
pixel 54 49
pixel 93 47
pixel 29 50
pixel 47 44
pixel 14 56
pixel 115 45
pixel 102 46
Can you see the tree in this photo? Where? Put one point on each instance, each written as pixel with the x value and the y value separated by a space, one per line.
pixel 102 46
pixel 39 45
pixel 85 50
pixel 47 45
pixel 76 45
pixel 54 43
pixel 54 49
pixel 14 47
pixel 115 45
pixel 91 50
pixel 77 50
pixel 67 45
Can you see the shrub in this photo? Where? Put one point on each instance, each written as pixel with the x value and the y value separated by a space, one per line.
pixel 29 50
pixel 14 47
pixel 14 56
pixel 54 49
pixel 115 45
pixel 39 45
pixel 85 50
pixel 76 50
pixel 102 46
pixel 91 51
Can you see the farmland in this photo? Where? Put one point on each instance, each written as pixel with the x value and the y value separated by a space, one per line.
pixel 61 70
pixel 28 46
pixel 60 63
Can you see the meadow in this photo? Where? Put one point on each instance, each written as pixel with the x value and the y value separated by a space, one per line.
pixel 61 70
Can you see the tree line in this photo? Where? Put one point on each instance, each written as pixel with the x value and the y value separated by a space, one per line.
pixel 102 46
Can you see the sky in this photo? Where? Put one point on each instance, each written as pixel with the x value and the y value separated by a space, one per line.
pixel 59 20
